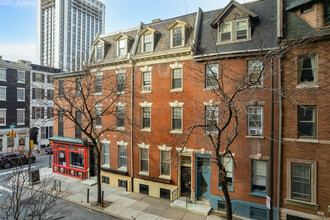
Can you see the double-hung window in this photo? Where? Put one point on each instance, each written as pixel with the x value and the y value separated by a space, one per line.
pixel 307 121
pixel 98 84
pixel 61 87
pixel 307 68
pixel 79 87
pixel 211 118
pixel 3 74
pixel 122 157
pixel 106 154
pixel 50 94
pixel 177 37
pixel 122 48
pixel 225 32
pixel 20 94
pixel 255 72
pixel 259 177
pixel 38 77
pixel 241 30
pixel 211 75
pixel 177 78
pixel 165 163
pixel 120 82
pixel 255 121
pixel 147 43
pixel 176 118
pixel 227 162
pixel 146 117
pixel 20 76
pixel 78 118
pixel 20 116
pixel 98 116
pixel 3 93
pixel 301 182
pixel 146 84
pixel 99 52
pixel 3 113
pixel 144 160
pixel 120 116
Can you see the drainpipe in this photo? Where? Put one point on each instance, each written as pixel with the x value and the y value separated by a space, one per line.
pixel 132 108
pixel 279 162
pixel 271 161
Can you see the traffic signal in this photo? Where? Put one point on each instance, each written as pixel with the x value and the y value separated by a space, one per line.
pixel 10 133
pixel 51 143
pixel 31 144
pixel 14 134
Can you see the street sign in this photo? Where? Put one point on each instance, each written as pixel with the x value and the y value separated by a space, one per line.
pixel 268 202
pixel 12 126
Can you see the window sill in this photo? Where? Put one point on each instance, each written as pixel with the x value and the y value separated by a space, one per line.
pixel 255 137
pixel 307 140
pixel 176 132
pixel 230 188
pixel 107 166
pixel 258 194
pixel 234 41
pixel 210 88
pixel 176 90
pixel 20 82
pixel 119 93
pixel 143 92
pixel 124 169
pixel 20 124
pixel 311 85
pixel 303 204
pixel 98 93
pixel 165 177
pixel 3 100
pixel 179 46
pixel 145 130
pixel 21 100
pixel 120 129
pixel 98 127
pixel 143 173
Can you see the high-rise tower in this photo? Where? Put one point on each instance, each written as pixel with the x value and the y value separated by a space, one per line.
pixel 66 30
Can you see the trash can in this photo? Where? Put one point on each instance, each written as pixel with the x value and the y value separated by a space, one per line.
pixel 35 176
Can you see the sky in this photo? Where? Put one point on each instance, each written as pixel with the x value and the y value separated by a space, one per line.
pixel 18 20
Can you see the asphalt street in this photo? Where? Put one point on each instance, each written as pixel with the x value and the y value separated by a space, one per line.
pixel 62 210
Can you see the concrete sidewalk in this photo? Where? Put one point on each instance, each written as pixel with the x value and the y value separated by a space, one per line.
pixel 124 205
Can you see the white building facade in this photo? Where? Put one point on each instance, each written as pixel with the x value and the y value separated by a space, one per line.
pixel 66 30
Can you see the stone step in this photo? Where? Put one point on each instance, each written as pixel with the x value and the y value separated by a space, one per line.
pixel 196 208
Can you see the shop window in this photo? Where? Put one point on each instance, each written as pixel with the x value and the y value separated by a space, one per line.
pixel 307 121
pixel 144 189
pixel 77 160
pixel 105 179
pixel 165 193
pixel 61 159
pixel 259 214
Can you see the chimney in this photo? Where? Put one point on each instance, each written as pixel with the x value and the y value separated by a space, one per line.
pixel 155 20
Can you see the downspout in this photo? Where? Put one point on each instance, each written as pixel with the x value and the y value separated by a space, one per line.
pixel 271 161
pixel 279 72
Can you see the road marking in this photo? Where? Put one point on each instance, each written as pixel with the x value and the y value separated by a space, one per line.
pixel 19 169
pixel 5 189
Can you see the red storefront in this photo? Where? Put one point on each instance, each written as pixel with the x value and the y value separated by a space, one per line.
pixel 70 157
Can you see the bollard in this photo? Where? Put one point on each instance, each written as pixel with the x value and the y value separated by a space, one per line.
pixel 87 195
pixel 60 185
pixel 102 198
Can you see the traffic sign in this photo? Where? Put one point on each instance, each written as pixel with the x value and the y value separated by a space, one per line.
pixel 12 126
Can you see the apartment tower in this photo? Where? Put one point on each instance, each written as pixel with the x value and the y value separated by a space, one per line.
pixel 66 30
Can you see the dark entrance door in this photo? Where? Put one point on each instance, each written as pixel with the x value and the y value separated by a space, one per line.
pixel 185 181
pixel 91 161
pixel 203 177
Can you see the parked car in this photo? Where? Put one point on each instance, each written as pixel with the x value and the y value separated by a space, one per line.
pixel 49 149
pixel 8 160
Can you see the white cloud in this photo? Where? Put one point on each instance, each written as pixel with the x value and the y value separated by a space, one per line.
pixel 14 52
pixel 18 3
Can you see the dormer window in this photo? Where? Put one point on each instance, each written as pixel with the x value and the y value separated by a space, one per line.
pixel 122 48
pixel 178 33
pixel 177 37
pixel 99 52
pixel 147 47
pixel 241 30
pixel 225 32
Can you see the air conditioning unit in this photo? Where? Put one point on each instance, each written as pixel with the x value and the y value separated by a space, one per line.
pixel 253 131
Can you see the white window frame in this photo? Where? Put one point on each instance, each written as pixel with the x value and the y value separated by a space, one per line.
pixel 124 145
pixel 254 177
pixel 210 69
pixel 250 72
pixel 21 89
pixel 143 146
pixel 20 121
pixel 98 76
pixel 98 108
pixel 22 72
pixel 3 74
pixel 167 149
pixel 227 162
pixel 104 154
pixel 247 29
pixel 313 68
pixel 120 47
pixel 149 42
pixel 120 105
pixel 173 105
pixel 182 36
pixel 3 110
pixel 146 88
pixel 312 204
pixel 215 109
pixel 173 67
pixel 5 89
pixel 314 121
pixel 231 32
pixel 255 131
pixel 98 53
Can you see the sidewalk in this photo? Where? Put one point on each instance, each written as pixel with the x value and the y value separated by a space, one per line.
pixel 124 205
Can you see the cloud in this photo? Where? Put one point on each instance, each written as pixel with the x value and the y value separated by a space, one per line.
pixel 18 51
pixel 18 3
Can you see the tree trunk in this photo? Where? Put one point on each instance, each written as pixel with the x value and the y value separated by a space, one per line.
pixel 98 171
pixel 223 183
